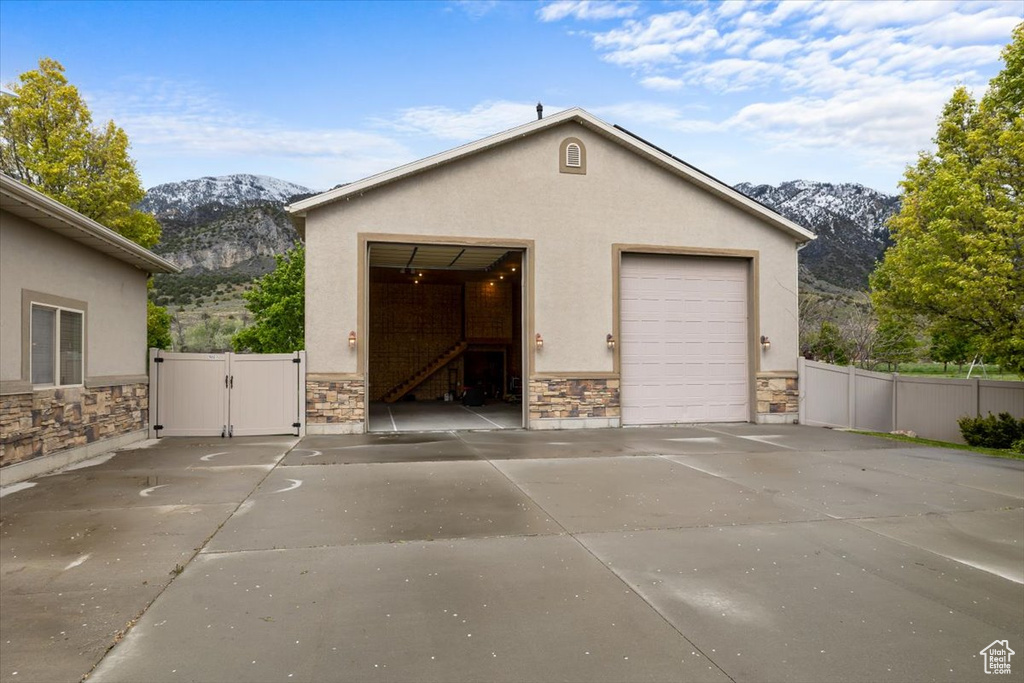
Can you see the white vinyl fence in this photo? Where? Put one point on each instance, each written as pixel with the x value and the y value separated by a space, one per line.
pixel 226 394
pixel 834 396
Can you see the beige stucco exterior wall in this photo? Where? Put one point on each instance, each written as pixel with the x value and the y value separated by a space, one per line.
pixel 37 259
pixel 515 192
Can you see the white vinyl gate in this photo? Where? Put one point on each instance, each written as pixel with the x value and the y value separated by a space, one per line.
pixel 226 394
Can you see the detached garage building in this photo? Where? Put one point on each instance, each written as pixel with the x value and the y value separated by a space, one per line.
pixel 565 261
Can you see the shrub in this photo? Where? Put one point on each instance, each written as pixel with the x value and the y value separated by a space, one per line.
pixel 1018 446
pixel 1000 431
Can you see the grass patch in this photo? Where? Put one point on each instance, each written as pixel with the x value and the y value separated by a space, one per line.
pixel 997 452
pixel 952 371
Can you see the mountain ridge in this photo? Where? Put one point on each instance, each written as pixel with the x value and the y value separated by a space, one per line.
pixel 216 223
pixel 848 219
pixel 237 223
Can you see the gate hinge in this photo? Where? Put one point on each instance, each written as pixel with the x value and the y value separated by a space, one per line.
pixel 158 359
pixel 296 360
pixel 157 428
pixel 296 424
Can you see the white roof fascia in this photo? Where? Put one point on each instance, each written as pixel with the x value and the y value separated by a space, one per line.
pixel 22 200
pixel 299 209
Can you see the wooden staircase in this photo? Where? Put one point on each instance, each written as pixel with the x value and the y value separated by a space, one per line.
pixel 447 356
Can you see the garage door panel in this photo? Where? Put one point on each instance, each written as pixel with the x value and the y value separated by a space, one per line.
pixel 684 339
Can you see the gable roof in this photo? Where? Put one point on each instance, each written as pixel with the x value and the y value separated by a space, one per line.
pixel 300 209
pixel 35 206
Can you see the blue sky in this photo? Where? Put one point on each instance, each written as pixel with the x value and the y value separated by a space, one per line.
pixel 323 93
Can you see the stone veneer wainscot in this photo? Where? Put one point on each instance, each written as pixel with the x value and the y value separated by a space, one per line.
pixel 778 398
pixel 594 400
pixel 335 402
pixel 48 421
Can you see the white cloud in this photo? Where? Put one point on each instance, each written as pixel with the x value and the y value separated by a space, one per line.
pixel 775 48
pixel 659 115
pixel 477 122
pixel 866 78
pixel 163 117
pixel 884 129
pixel 730 8
pixel 956 28
pixel 586 10
pixel 863 38
pixel 662 83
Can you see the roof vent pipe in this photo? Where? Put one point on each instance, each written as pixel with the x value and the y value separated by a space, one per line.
pixel 540 111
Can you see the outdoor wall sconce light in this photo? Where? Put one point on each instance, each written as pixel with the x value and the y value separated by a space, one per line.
pixel 352 339
pixel 766 343
pixel 611 342
pixel 540 341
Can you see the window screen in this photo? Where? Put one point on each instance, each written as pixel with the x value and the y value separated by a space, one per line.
pixel 57 346
pixel 44 337
pixel 70 347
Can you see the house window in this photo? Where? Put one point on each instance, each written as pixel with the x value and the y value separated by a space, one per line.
pixel 58 342
pixel 572 157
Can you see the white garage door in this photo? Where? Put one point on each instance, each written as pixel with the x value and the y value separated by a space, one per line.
pixel 684 339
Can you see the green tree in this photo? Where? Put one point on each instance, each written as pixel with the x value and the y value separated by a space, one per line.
pixel 895 342
pixel 948 346
pixel 277 302
pixel 158 326
pixel 830 346
pixel 48 142
pixel 958 253
pixel 211 335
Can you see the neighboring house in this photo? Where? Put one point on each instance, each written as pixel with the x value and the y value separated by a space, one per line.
pixel 73 352
pixel 609 282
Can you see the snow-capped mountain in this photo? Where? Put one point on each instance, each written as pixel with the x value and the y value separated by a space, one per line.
pixel 177 201
pixel 238 222
pixel 849 220
pixel 224 223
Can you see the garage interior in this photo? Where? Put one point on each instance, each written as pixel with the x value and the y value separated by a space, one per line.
pixel 445 338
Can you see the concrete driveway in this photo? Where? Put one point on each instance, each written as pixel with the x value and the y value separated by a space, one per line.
pixel 734 552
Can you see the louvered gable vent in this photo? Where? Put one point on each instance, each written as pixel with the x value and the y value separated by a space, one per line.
pixel 572 155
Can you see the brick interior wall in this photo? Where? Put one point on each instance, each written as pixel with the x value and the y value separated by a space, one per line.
pixel 44 422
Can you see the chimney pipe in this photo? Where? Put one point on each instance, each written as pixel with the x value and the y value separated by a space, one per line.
pixel 540 111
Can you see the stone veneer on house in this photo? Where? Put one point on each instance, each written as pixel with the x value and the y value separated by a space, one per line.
pixel 561 403
pixel 778 398
pixel 45 422
pixel 335 406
